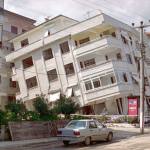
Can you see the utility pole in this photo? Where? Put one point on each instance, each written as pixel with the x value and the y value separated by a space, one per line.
pixel 142 75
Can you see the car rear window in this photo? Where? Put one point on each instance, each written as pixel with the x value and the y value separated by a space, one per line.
pixel 76 124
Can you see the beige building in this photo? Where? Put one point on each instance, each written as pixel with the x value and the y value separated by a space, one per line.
pixel 96 61
pixel 11 25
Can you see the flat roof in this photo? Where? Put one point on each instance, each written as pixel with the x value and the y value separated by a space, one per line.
pixel 40 25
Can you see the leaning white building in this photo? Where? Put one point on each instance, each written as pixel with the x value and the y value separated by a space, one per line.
pixel 95 61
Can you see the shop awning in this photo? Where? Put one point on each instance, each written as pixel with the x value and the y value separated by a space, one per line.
pixel 54 97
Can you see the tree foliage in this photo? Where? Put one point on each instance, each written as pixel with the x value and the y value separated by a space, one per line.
pixel 41 106
pixel 66 106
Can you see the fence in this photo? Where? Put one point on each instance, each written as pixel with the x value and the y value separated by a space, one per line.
pixel 34 130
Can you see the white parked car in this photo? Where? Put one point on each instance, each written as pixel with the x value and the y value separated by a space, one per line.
pixel 85 131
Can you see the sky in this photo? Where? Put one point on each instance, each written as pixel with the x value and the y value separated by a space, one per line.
pixel 127 11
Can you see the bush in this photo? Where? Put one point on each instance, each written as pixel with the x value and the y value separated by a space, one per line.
pixel 2 118
pixel 15 111
pixel 31 116
pixel 78 117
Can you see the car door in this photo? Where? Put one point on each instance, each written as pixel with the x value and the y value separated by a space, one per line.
pixel 93 129
pixel 102 131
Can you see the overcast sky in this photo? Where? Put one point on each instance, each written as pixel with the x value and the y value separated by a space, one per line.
pixel 126 10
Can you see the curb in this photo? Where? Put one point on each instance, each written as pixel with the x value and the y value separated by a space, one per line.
pixel 20 143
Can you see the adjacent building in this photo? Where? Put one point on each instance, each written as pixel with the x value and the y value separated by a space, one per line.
pixel 11 24
pixel 95 61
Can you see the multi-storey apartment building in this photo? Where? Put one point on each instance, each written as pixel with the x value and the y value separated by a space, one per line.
pixel 11 24
pixel 96 61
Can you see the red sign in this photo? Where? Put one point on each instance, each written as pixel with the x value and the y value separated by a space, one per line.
pixel 132 106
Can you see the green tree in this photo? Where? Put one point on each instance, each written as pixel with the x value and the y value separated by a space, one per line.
pixel 41 106
pixel 66 106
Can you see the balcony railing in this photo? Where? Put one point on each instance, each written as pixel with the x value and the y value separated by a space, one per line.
pixel 108 43
pixel 103 67
pixel 94 40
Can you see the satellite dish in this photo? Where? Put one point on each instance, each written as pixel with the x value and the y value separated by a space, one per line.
pixel 47 33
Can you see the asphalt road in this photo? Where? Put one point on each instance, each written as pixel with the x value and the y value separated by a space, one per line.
pixel 124 139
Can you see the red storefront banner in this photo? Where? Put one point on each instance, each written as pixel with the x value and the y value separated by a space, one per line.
pixel 132 106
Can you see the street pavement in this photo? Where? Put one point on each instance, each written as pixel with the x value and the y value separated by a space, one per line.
pixel 124 139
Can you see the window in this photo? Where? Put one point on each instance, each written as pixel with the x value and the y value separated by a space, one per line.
pixel 47 54
pixel 69 69
pixel 12 83
pixel 118 55
pixel 92 124
pixel 11 99
pixel 113 80
pixel 129 59
pixel 124 39
pixel 88 85
pixel 28 62
pixel 1 44
pixel 125 77
pixel 64 47
pixel 81 65
pixel 85 40
pixel 146 81
pixel 23 30
pixel 96 83
pixel 24 42
pixel 76 43
pixel 52 75
pixel 106 57
pixel 130 40
pixel 31 82
pixel 119 105
pixel 89 62
pixel 14 30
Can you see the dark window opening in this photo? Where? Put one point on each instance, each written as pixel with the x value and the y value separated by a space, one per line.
pixel 52 75
pixel 88 85
pixel 14 30
pixel 85 40
pixel 96 83
pixel 24 42
pixel 69 69
pixel 47 54
pixel 125 77
pixel 31 82
pixel 28 62
pixel 64 47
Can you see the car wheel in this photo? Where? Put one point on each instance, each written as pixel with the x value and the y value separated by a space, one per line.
pixel 110 137
pixel 66 143
pixel 87 141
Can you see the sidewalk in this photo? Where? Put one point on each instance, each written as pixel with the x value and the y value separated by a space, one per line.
pixel 26 142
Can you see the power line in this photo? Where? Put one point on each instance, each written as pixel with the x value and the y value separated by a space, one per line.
pixel 96 5
pixel 144 17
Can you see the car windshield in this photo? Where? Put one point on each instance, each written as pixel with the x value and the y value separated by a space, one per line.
pixel 76 124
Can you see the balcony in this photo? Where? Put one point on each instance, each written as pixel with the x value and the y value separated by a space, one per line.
pixel 108 43
pixel 102 93
pixel 104 68
pixel 24 50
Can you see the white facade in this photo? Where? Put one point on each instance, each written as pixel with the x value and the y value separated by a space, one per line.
pixel 104 54
pixel 9 23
